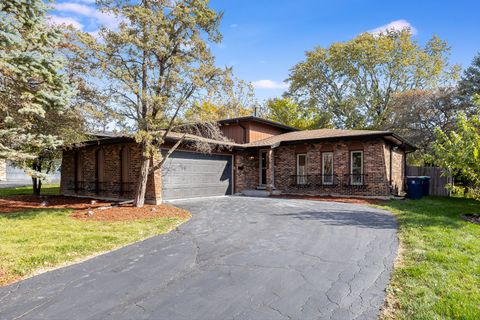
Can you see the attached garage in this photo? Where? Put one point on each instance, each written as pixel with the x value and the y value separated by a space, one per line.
pixel 192 175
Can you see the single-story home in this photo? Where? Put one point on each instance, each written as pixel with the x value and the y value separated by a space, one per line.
pixel 262 155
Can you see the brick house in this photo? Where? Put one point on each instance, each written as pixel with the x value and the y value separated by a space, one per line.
pixel 262 155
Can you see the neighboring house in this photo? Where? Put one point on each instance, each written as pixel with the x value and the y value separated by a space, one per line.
pixel 263 155
pixel 16 175
pixel 3 170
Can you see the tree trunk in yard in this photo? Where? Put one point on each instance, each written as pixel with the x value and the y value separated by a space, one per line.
pixel 37 183
pixel 142 181
pixel 37 186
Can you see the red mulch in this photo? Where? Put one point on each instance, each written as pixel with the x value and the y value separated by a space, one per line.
pixel 81 206
pixel 331 199
pixel 128 213
pixel 24 202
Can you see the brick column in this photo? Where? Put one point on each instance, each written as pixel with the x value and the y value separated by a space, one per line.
pixel 154 186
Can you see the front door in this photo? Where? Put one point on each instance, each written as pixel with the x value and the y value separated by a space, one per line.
pixel 263 167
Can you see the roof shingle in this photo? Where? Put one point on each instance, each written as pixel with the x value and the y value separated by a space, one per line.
pixel 315 134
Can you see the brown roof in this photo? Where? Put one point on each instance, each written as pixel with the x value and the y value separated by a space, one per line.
pixel 321 134
pixel 285 138
pixel 175 136
pixel 259 120
pixel 109 137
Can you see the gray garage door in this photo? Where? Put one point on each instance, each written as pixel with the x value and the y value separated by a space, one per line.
pixel 191 175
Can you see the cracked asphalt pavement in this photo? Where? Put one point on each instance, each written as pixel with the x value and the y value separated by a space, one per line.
pixel 237 258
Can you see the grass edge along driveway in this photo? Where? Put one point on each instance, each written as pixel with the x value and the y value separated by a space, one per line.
pixel 37 240
pixel 437 273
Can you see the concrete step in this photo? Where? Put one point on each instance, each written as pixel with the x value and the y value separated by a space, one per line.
pixel 255 193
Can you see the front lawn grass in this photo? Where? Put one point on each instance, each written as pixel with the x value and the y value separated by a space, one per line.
pixel 38 239
pixel 437 275
pixel 47 190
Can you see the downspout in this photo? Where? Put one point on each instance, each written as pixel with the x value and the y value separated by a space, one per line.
pixel 391 170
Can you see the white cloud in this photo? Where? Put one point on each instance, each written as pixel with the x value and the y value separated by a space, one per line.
pixel 234 25
pixel 396 25
pixel 269 84
pixel 75 8
pixel 66 21
pixel 106 19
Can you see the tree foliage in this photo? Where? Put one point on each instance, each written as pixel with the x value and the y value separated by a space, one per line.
pixel 34 92
pixel 458 151
pixel 153 68
pixel 416 114
pixel 469 84
pixel 352 83
pixel 233 98
pixel 290 113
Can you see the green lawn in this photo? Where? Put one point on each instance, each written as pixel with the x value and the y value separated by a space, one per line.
pixel 42 238
pixel 47 189
pixel 438 273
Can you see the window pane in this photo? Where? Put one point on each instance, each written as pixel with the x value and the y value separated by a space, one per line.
pixel 327 167
pixel 301 160
pixel 301 169
pixel 356 167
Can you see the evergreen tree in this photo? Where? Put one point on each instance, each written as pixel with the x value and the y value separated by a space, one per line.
pixel 33 90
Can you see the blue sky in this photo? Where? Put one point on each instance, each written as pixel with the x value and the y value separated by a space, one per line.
pixel 263 39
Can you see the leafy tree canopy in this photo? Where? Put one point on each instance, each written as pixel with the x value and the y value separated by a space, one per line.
pixel 290 113
pixel 469 84
pixel 458 151
pixel 234 98
pixel 416 114
pixel 352 83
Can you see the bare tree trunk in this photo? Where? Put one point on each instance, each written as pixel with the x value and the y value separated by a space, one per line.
pixel 142 180
pixel 37 183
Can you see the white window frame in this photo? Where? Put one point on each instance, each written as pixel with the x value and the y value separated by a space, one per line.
pixel 301 180
pixel 323 168
pixel 352 182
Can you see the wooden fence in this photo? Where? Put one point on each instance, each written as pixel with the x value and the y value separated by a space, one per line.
pixel 438 181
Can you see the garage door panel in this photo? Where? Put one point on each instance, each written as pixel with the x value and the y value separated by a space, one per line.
pixel 190 175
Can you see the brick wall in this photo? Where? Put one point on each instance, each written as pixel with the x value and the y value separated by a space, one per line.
pixel 285 157
pixel 246 170
pixel 112 185
pixel 398 171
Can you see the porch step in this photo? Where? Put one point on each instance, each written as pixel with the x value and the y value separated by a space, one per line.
pixel 255 193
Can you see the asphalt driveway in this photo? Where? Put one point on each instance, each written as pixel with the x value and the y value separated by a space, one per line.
pixel 237 258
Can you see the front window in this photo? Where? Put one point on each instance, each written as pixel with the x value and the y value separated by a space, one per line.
pixel 356 167
pixel 301 168
pixel 327 168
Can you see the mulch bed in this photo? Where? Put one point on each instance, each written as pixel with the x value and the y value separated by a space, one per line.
pixel 472 217
pixel 129 212
pixel 25 202
pixel 102 210
pixel 331 199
